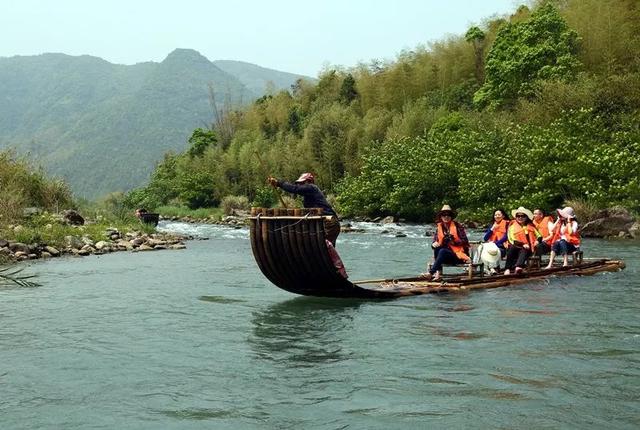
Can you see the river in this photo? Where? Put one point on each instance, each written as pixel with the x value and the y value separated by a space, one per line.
pixel 199 339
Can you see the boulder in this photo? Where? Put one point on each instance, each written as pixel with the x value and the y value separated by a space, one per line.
pixel 29 212
pixel 73 217
pixel 156 242
pixel 611 223
pixel 51 251
pixel 388 220
pixel 16 247
pixel 101 245
pixel 73 242
pixel 634 230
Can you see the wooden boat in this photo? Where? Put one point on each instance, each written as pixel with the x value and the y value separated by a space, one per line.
pixel 291 251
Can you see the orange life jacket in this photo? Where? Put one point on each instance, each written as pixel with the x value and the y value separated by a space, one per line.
pixel 543 227
pixel 556 231
pixel 499 231
pixel 573 237
pixel 524 234
pixel 453 230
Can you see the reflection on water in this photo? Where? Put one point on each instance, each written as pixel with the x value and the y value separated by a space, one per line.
pixel 303 331
pixel 220 299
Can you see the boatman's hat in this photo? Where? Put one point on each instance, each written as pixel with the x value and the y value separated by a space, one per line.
pixel 306 177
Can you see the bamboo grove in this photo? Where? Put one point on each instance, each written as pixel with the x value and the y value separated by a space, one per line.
pixel 531 109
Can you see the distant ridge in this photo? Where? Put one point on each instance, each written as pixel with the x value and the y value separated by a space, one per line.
pixel 103 126
pixel 257 78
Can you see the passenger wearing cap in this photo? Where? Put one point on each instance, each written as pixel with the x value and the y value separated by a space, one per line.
pixel 312 197
pixel 566 237
pixel 450 244
pixel 523 238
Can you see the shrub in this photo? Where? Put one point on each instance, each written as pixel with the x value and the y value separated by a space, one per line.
pixel 264 197
pixel 231 203
pixel 585 210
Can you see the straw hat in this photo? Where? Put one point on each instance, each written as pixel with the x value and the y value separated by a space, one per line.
pixel 306 177
pixel 490 254
pixel 522 210
pixel 567 212
pixel 445 209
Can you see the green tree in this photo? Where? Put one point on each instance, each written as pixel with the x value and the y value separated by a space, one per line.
pixel 476 37
pixel 200 140
pixel 526 52
pixel 348 91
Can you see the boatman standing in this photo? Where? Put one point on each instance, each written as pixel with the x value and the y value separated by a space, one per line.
pixel 312 198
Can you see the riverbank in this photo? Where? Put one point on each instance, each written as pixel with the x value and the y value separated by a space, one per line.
pixel 53 235
pixel 82 245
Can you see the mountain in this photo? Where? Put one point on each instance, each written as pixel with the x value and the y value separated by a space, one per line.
pixel 103 126
pixel 257 78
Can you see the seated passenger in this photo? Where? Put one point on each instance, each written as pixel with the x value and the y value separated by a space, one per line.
pixel 544 224
pixel 522 238
pixel 566 237
pixel 497 230
pixel 450 244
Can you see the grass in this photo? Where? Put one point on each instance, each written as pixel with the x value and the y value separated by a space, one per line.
pixel 585 210
pixel 179 211
pixel 45 229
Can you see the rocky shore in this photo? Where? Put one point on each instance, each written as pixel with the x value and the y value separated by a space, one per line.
pixel 82 245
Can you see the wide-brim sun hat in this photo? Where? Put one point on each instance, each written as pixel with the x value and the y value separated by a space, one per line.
pixel 447 209
pixel 490 253
pixel 567 212
pixel 522 210
pixel 306 177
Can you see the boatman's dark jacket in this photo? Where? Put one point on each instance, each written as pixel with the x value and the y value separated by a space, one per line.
pixel 312 196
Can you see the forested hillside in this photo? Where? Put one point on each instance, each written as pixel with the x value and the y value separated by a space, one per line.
pixel 530 109
pixel 103 126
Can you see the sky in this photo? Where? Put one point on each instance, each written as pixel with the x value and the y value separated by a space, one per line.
pixel 293 36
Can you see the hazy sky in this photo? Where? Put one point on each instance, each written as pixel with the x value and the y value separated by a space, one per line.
pixel 293 36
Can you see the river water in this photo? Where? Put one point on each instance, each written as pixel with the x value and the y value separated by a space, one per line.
pixel 199 339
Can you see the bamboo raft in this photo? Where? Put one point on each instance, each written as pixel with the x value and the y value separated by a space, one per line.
pixel 290 249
